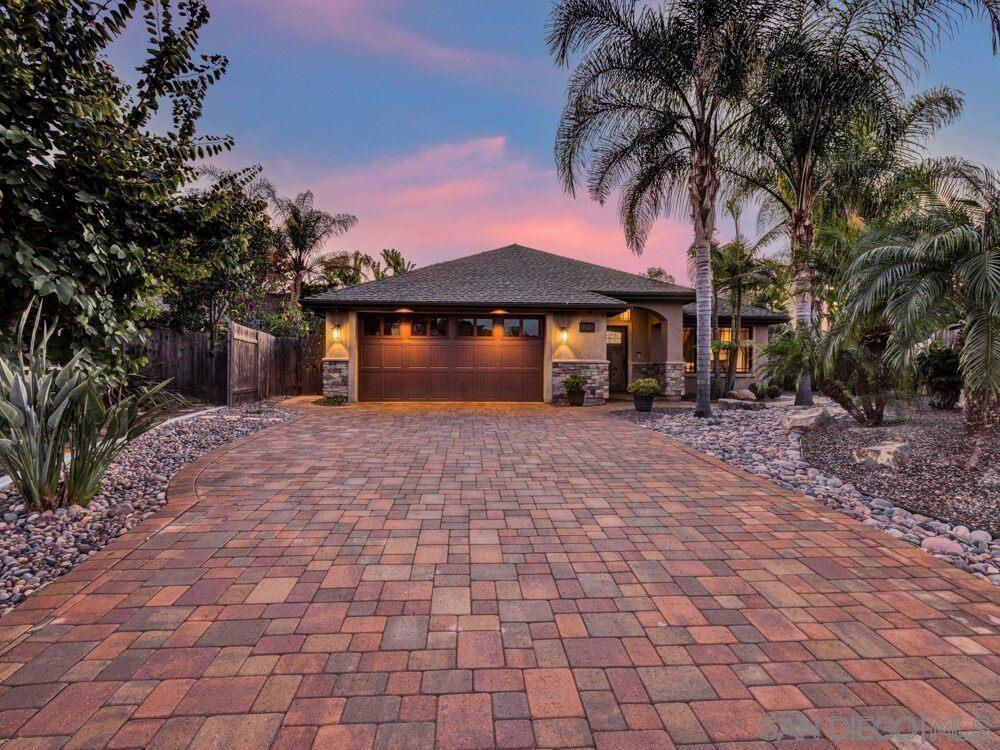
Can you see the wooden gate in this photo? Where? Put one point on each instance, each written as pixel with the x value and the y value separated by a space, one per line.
pixel 262 365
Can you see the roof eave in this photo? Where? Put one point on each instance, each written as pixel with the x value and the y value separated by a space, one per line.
pixel 496 304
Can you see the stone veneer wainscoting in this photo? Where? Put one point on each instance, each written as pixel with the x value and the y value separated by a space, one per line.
pixel 670 375
pixel 596 373
pixel 335 378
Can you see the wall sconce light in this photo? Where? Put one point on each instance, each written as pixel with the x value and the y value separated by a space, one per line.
pixel 564 334
pixel 336 331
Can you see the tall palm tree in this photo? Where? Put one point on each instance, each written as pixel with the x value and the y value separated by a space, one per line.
pixel 837 64
pixel 302 232
pixel 657 91
pixel 940 266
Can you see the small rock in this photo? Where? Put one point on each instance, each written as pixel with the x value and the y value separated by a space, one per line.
pixel 978 536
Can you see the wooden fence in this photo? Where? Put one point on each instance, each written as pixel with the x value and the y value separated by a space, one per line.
pixel 246 365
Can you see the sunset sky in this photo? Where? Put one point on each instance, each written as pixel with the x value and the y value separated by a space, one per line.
pixel 433 122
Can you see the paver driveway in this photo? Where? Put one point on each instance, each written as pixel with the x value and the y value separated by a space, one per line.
pixel 480 576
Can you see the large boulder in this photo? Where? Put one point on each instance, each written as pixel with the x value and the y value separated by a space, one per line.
pixel 732 404
pixel 893 455
pixel 742 394
pixel 806 419
pixel 941 545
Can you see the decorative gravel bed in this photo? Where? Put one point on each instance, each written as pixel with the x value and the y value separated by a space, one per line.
pixel 36 548
pixel 758 442
pixel 936 481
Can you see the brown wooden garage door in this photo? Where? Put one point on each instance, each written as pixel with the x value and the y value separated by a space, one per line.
pixel 450 358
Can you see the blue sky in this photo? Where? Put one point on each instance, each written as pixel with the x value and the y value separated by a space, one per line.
pixel 433 121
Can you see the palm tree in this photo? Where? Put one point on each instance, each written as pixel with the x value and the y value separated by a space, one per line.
pixel 348 269
pixel 739 272
pixel 395 263
pixel 351 269
pixel 657 91
pixel 837 64
pixel 302 232
pixel 939 266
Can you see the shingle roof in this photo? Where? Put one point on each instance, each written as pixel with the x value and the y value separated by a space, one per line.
pixel 511 276
pixel 749 313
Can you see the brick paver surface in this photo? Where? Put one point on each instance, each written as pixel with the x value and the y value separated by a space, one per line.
pixel 471 577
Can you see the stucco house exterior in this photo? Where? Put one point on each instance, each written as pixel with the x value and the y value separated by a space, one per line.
pixel 508 325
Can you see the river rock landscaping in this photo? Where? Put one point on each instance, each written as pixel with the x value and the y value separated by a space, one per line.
pixel 36 548
pixel 759 442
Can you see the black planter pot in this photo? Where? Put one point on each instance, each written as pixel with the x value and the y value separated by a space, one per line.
pixel 576 398
pixel 643 402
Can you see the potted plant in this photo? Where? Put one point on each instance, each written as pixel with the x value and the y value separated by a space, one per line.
pixel 576 389
pixel 643 392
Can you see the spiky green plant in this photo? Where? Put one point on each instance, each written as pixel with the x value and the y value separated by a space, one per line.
pixel 62 426
pixel 36 411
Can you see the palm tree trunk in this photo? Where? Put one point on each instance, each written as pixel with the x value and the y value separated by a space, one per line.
pixel 703 296
pixel 982 416
pixel 703 185
pixel 802 237
pixel 715 335
pixel 735 320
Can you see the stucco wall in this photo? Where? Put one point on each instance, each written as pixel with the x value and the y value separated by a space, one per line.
pixel 587 350
pixel 346 348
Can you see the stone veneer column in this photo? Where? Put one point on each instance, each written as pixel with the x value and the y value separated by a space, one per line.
pixel 670 375
pixel 335 378
pixel 596 373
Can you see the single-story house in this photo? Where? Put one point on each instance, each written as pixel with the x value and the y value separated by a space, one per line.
pixel 508 325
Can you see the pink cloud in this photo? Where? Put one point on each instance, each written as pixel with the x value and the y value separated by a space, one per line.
pixel 367 25
pixel 453 199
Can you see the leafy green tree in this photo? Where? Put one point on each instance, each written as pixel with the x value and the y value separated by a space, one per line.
pixel 87 185
pixel 649 107
pixel 221 261
pixel 302 232
pixel 939 266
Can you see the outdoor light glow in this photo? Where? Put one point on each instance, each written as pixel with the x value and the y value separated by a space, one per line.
pixel 564 334
pixel 627 315
pixel 404 310
pixel 336 331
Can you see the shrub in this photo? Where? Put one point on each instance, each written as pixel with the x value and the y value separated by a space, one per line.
pixel 773 391
pixel 644 386
pixel 336 400
pixel 759 390
pixel 47 410
pixel 938 370
pixel 574 383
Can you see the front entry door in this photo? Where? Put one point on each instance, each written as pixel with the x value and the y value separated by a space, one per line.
pixel 617 358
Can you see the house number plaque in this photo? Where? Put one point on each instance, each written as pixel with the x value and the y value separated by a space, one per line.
pixel 588 326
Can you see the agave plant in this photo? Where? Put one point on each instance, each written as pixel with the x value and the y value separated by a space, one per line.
pixel 36 408
pixel 62 426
